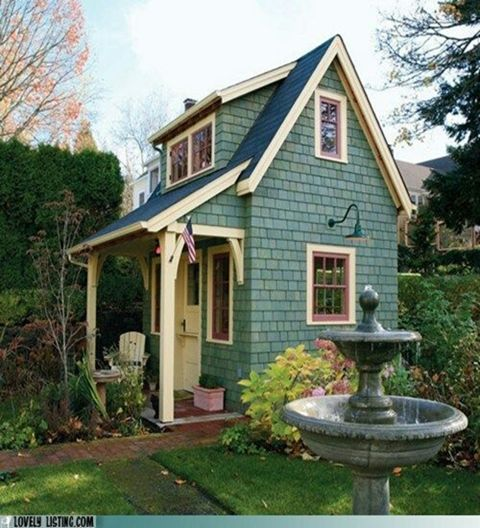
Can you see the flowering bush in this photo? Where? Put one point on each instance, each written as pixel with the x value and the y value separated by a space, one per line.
pixel 294 374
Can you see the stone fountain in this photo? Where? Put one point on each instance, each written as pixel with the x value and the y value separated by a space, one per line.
pixel 371 432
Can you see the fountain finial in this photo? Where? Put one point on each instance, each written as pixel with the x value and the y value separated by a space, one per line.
pixel 369 301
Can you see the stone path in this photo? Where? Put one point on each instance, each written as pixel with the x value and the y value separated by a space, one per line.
pixel 151 489
pixel 114 448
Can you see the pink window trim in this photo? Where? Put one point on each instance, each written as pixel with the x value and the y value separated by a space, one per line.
pixel 337 103
pixel 219 335
pixel 332 317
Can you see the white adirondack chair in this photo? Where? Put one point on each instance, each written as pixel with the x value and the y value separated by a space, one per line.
pixel 131 351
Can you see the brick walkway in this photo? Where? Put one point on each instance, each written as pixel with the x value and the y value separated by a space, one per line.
pixel 187 435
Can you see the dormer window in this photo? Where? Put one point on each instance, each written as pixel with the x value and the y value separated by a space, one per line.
pixel 192 152
pixel 330 126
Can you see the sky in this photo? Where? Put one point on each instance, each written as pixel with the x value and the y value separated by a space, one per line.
pixel 188 48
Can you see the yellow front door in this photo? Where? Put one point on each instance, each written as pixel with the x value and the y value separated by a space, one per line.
pixel 187 323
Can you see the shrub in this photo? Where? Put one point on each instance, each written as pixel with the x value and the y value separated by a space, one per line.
pixel 239 439
pixel 446 366
pixel 25 430
pixel 293 374
pixel 207 381
pixel 125 402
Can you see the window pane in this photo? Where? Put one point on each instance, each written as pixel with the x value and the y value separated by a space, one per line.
pixel 318 266
pixel 338 301
pixel 329 138
pixel 332 113
pixel 329 270
pixel 202 149
pixel 179 161
pixel 221 296
pixel 340 272
pixel 156 298
pixel 193 284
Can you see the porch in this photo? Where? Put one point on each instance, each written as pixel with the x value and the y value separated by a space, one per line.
pixel 186 413
pixel 176 324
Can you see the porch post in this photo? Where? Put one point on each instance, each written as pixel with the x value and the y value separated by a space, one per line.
pixel 167 327
pixel 92 279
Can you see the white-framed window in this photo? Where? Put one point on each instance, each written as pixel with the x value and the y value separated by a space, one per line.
pixel 330 287
pixel 154 179
pixel 192 152
pixel 330 126
pixel 155 284
pixel 220 295
pixel 141 198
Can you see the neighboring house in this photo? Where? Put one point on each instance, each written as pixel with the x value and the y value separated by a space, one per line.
pixel 146 183
pixel 414 175
pixel 260 167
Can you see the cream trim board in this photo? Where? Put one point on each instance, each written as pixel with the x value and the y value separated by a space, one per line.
pixel 197 198
pixel 255 83
pixel 352 271
pixel 208 230
pixel 215 250
pixel 187 134
pixel 137 226
pixel 153 283
pixel 342 101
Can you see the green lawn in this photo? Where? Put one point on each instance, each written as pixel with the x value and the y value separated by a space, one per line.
pixel 276 485
pixel 75 488
pixel 206 480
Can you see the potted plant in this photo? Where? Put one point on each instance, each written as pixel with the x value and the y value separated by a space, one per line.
pixel 208 395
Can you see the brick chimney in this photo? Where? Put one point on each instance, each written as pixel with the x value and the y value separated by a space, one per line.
pixel 189 103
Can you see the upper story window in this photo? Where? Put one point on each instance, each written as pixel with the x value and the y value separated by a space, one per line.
pixel 141 198
pixel 330 285
pixel 192 152
pixel 154 179
pixel 330 126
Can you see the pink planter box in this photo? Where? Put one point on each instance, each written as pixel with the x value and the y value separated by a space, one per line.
pixel 208 399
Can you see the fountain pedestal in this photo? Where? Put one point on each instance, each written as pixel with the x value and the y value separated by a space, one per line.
pixel 370 432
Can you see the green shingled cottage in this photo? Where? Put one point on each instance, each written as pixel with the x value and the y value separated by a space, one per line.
pixel 260 167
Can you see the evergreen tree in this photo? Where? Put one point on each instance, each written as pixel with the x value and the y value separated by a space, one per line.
pixel 437 54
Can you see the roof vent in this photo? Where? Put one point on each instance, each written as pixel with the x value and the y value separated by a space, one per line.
pixel 189 103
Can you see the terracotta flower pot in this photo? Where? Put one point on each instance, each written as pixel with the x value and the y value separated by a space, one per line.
pixel 208 399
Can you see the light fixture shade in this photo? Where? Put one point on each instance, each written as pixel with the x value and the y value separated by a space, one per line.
pixel 158 249
pixel 358 233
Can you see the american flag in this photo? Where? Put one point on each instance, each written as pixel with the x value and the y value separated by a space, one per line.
pixel 189 241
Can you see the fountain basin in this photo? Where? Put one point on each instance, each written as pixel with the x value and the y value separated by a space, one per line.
pixel 417 435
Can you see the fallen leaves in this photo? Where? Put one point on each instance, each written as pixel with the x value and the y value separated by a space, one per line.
pixel 397 471
pixel 180 482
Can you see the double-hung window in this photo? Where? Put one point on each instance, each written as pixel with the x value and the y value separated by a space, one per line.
pixel 330 285
pixel 330 126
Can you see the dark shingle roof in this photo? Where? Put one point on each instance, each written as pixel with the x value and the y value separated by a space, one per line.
pixel 158 203
pixel 252 147
pixel 443 164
